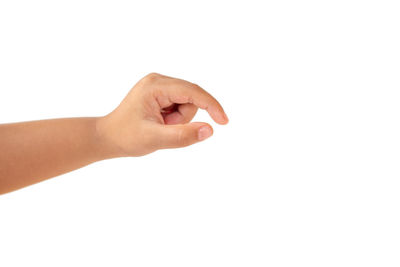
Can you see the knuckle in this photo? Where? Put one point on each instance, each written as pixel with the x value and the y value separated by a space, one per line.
pixel 190 99
pixel 183 138
pixel 196 86
pixel 151 77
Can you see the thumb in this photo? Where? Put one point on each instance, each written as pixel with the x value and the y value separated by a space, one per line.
pixel 181 135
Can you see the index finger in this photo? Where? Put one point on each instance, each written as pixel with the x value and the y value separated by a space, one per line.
pixel 180 92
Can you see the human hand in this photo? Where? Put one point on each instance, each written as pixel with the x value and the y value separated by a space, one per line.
pixel 156 114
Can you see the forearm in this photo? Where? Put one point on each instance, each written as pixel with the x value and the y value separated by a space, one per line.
pixel 31 152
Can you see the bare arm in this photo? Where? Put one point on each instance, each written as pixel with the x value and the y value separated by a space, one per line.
pixel 154 115
pixel 37 150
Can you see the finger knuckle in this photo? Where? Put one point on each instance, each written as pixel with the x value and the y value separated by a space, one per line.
pixel 196 86
pixel 151 77
pixel 183 138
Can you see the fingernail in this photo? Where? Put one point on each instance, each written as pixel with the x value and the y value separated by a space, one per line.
pixel 204 132
pixel 226 118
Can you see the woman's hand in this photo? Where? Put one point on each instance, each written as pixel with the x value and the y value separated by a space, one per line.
pixel 156 114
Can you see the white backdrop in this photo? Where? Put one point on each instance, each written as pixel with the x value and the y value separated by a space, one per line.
pixel 305 174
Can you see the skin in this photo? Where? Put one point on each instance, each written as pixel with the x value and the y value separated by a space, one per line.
pixel 155 114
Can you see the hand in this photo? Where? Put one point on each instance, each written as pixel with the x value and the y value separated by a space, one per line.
pixel 156 114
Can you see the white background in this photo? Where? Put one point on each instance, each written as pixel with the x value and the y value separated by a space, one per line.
pixel 305 174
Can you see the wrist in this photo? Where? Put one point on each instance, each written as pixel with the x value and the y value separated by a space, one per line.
pixel 106 148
